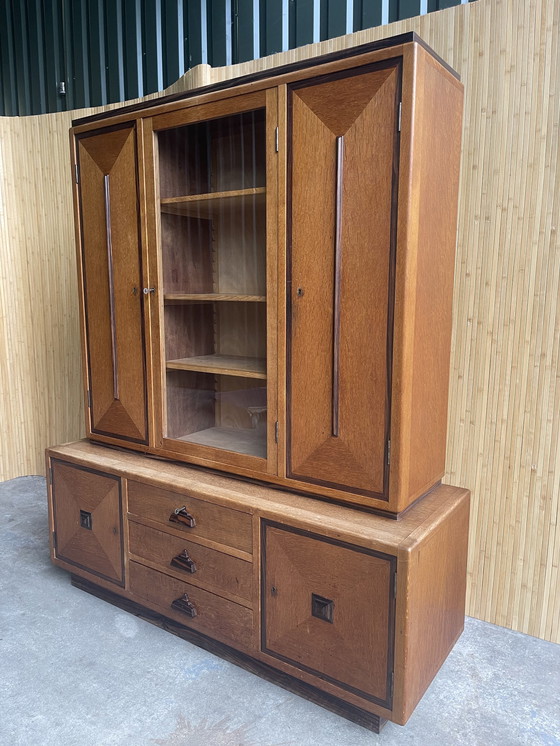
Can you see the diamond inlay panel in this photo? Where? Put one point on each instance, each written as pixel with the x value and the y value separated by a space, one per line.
pixel 327 609
pixel 87 518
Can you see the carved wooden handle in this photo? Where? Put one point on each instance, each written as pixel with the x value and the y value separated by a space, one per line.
pixel 182 516
pixel 184 605
pixel 183 562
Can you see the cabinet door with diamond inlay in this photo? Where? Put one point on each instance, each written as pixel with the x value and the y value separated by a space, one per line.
pixel 87 520
pixel 344 138
pixel 328 610
pixel 112 283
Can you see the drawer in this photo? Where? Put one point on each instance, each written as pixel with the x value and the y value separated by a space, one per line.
pixel 201 566
pixel 87 520
pixel 215 616
pixel 214 522
pixel 328 609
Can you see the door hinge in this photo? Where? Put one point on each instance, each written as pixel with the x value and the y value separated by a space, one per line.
pixel 388 451
pixel 392 684
pixel 76 173
pixel 89 398
pixel 50 475
pixel 394 589
pixel 276 139
pixel 399 117
pixel 276 431
pixel 54 539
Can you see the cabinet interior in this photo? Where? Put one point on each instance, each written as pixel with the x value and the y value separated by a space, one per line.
pixel 213 249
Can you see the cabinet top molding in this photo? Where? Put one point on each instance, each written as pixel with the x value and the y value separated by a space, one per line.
pixel 342 54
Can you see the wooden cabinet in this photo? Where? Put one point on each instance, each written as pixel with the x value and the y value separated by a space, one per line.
pixel 268 269
pixel 266 273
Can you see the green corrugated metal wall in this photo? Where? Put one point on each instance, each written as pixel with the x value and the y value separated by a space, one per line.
pixel 67 54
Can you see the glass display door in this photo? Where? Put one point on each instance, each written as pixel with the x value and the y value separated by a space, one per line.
pixel 213 282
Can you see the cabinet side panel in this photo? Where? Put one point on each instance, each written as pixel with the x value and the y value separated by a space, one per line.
pixel 435 184
pixel 437 230
pixel 430 606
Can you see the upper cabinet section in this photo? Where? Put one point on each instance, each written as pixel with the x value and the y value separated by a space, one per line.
pixel 109 257
pixel 288 317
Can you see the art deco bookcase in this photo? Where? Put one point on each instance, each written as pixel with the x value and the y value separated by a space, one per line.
pixel 266 272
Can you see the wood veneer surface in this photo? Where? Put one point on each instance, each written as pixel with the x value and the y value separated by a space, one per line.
pixel 338 367
pixel 79 493
pixel 353 645
pixel 228 527
pixel 216 571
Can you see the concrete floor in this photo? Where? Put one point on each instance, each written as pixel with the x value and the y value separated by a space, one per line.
pixel 76 670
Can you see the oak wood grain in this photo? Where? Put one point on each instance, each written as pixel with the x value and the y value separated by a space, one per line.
pixel 431 604
pixel 78 493
pixel 353 458
pixel 215 571
pixel 215 616
pixel 353 647
pixel 228 527
pixel 426 237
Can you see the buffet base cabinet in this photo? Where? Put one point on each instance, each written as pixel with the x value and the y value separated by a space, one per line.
pixel 352 610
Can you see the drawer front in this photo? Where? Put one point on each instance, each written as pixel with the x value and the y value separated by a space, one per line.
pixel 87 520
pixel 222 525
pixel 328 609
pixel 200 565
pixel 215 616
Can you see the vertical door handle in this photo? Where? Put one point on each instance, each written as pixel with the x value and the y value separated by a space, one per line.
pixel 336 283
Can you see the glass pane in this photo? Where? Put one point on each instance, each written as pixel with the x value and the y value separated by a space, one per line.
pixel 213 243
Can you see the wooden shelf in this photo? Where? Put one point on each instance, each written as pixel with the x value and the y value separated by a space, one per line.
pixel 171 298
pixel 249 442
pixel 225 365
pixel 208 205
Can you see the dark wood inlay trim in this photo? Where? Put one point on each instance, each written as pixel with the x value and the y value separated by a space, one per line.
pixel 387 43
pixel 337 280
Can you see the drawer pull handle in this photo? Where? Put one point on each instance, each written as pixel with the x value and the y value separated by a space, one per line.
pixel 184 605
pixel 183 562
pixel 182 516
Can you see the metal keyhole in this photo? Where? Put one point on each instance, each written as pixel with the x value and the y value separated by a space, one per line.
pixel 274 591
pixel 300 292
